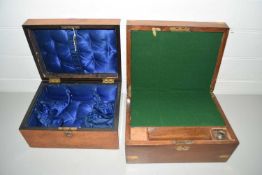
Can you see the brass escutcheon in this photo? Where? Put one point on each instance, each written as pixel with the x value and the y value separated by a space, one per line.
pixel 182 148
pixel 68 133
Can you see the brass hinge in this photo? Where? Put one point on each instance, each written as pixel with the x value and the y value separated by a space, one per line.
pixel 183 142
pixel 67 128
pixel 54 80
pixel 70 27
pixel 179 29
pixel 129 91
pixel 108 80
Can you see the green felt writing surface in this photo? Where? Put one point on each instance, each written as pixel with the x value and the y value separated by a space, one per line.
pixel 171 75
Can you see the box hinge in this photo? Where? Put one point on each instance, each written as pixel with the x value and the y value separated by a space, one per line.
pixel 67 128
pixel 54 80
pixel 108 80
pixel 70 27
pixel 182 148
pixel 183 142
pixel 129 91
pixel 179 29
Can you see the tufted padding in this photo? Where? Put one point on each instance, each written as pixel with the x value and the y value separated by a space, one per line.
pixel 75 105
pixel 92 51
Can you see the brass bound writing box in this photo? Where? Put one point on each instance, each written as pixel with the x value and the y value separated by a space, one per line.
pixel 172 113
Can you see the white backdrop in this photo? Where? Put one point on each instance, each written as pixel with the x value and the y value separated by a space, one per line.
pixel 241 70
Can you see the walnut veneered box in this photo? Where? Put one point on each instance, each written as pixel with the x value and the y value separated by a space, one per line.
pixel 77 102
pixel 172 113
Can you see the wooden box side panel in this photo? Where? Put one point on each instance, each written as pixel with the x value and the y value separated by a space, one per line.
pixel 43 22
pixel 170 154
pixel 177 23
pixel 77 139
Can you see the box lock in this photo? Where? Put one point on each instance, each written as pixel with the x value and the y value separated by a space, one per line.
pixel 68 131
pixel 108 80
pixel 182 148
pixel 54 80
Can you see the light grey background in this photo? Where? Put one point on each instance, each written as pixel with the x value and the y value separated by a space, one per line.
pixel 241 70
pixel 16 157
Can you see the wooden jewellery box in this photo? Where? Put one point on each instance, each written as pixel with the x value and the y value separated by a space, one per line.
pixel 77 102
pixel 172 113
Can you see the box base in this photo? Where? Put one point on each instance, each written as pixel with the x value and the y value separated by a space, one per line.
pixel 73 139
pixel 179 153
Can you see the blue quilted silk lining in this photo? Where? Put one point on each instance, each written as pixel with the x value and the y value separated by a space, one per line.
pixel 75 105
pixel 78 51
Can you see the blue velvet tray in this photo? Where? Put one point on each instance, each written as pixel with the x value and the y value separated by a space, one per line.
pixel 81 105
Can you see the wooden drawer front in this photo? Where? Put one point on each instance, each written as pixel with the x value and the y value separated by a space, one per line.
pixel 71 139
pixel 179 153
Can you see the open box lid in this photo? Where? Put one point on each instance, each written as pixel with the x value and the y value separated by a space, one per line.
pixel 175 55
pixel 171 71
pixel 70 49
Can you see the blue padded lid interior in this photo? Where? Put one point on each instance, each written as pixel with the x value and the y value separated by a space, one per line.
pixel 74 105
pixel 78 51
